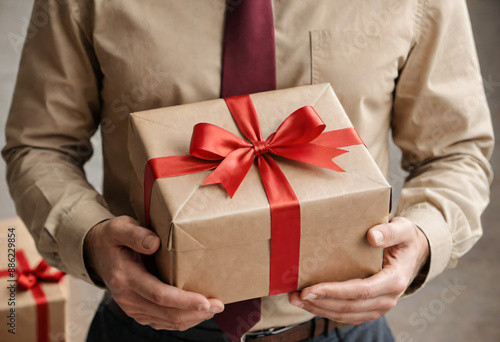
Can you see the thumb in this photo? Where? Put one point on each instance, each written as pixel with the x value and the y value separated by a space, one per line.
pixel 142 240
pixel 390 234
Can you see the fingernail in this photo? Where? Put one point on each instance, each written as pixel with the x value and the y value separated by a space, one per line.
pixel 203 307
pixel 148 242
pixel 379 237
pixel 310 296
pixel 215 309
pixel 298 304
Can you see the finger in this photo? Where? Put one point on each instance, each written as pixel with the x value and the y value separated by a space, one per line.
pixel 294 299
pixel 184 327
pixel 126 232
pixel 347 314
pixel 350 318
pixel 398 231
pixel 159 324
pixel 159 293
pixel 216 306
pixel 179 327
pixel 383 283
pixel 382 303
pixel 136 306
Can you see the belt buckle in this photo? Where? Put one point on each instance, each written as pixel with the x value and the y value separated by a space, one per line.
pixel 275 331
pixel 282 330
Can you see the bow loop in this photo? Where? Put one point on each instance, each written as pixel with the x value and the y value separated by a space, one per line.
pixel 28 277
pixel 300 127
pixel 42 267
pixel 211 142
pixel 291 140
pixel 46 273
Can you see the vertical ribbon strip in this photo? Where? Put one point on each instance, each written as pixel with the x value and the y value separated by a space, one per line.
pixel 29 279
pixel 300 137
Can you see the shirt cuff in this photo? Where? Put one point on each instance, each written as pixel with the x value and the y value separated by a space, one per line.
pixel 74 227
pixel 431 222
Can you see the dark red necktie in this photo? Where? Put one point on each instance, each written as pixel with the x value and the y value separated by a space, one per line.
pixel 248 66
pixel 249 60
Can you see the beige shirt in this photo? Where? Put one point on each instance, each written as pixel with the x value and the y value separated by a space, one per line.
pixel 406 65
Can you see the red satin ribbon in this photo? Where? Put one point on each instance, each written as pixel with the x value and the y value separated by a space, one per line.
pixel 300 137
pixel 29 279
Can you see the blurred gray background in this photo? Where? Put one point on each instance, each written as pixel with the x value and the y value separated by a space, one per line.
pixel 461 305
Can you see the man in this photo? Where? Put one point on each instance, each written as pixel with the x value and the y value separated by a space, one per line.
pixel 406 65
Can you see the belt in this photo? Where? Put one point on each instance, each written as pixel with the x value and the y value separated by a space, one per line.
pixel 310 329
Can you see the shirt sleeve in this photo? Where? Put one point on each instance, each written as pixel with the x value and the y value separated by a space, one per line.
pixel 442 124
pixel 54 112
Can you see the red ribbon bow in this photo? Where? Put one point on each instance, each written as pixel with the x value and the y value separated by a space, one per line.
pixel 300 137
pixel 29 279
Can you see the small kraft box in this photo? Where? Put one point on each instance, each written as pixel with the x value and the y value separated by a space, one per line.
pixel 33 296
pixel 257 195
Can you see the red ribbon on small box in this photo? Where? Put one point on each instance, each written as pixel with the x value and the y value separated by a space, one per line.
pixel 29 279
pixel 300 137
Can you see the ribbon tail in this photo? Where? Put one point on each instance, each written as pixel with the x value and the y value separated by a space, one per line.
pixel 285 223
pixel 311 154
pixel 232 170
pixel 339 138
pixel 170 167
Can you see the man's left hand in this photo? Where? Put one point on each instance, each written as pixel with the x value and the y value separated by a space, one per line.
pixel 360 300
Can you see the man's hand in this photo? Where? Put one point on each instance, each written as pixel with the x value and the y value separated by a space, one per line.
pixel 113 250
pixel 359 300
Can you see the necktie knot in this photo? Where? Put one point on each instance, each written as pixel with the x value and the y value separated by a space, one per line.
pixel 260 147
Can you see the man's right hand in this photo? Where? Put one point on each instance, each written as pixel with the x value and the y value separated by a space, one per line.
pixel 113 250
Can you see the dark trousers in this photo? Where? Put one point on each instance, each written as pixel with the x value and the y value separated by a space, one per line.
pixel 107 326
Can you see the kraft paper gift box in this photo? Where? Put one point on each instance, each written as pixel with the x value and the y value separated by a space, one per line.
pixel 221 246
pixel 34 321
